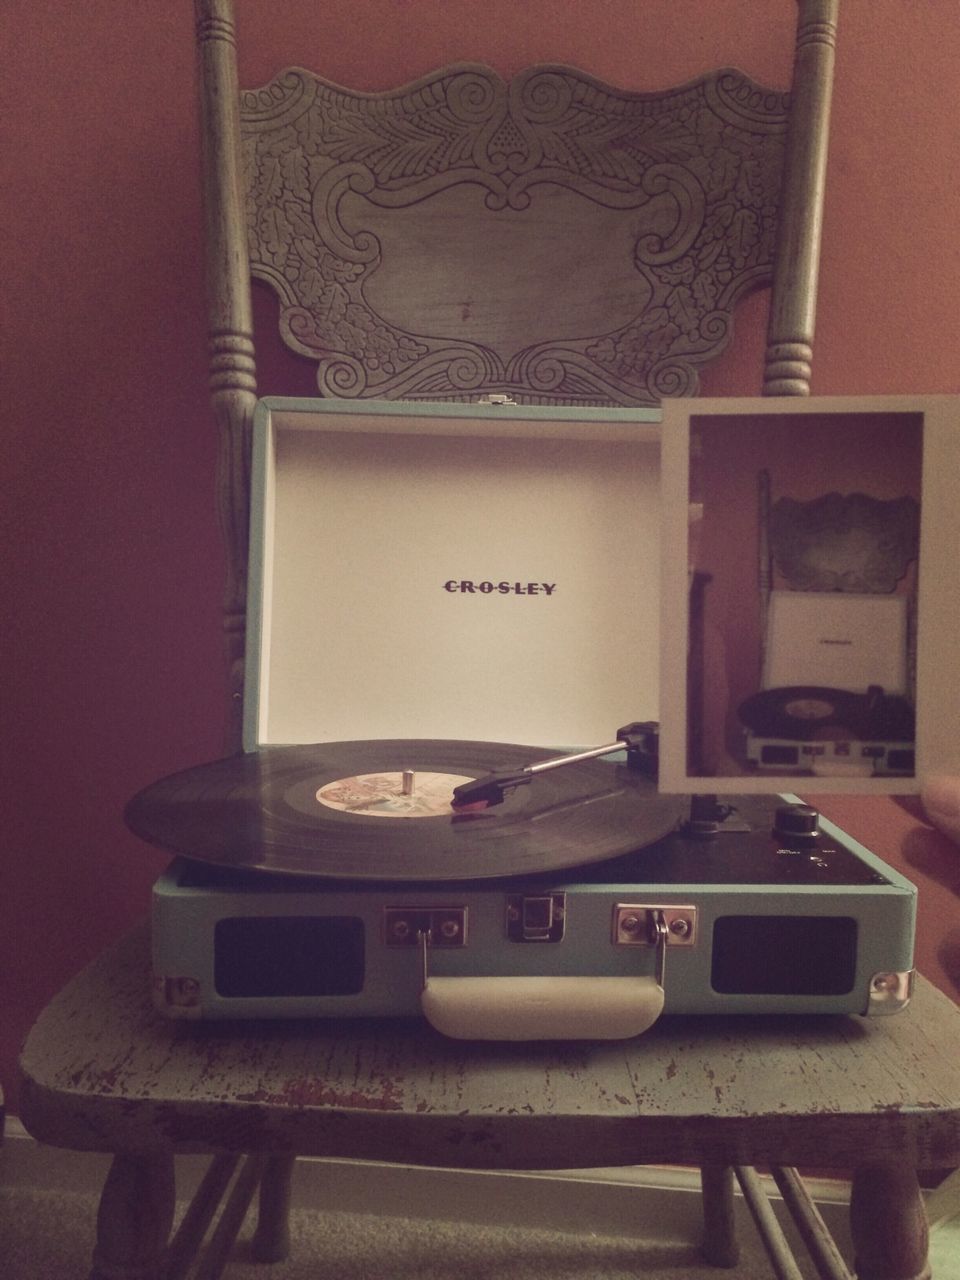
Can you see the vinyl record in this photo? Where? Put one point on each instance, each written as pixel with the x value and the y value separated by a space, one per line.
pixel 804 712
pixel 262 811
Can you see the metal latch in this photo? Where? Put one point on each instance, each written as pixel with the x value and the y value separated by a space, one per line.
pixel 632 923
pixel 659 936
pixel 536 917
pixel 646 926
pixel 446 926
pixel 496 398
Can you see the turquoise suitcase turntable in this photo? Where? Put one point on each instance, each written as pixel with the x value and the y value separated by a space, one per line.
pixel 430 586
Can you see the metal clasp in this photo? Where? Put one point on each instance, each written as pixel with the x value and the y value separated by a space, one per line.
pixel 659 936
pixel 632 923
pixel 535 917
pixel 424 937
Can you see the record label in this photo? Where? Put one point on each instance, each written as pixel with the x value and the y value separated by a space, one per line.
pixel 808 708
pixel 407 794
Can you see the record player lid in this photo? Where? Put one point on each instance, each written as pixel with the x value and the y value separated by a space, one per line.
pixel 449 571
pixel 837 639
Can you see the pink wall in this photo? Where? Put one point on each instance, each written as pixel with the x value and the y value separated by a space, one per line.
pixel 112 650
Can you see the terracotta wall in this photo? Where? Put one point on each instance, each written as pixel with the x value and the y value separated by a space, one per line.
pixel 112 666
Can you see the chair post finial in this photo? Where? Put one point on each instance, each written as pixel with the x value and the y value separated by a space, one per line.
pixel 794 298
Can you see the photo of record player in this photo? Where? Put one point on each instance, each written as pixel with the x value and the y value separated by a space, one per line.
pixel 440 810
pixel 837 692
pixel 808 598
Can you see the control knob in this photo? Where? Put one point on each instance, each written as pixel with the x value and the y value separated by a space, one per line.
pixel 796 822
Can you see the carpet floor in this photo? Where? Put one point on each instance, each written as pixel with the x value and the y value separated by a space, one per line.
pixel 49 1236
pixel 47 1233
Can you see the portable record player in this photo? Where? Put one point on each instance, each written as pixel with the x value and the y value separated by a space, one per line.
pixel 433 588
pixel 835 682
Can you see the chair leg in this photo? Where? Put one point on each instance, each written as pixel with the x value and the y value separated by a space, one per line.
pixel 201 1211
pixel 134 1218
pixel 888 1224
pixel 216 1252
pixel 719 1237
pixel 271 1240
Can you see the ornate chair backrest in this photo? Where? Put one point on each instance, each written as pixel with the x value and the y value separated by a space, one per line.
pixel 552 238
pixel 844 542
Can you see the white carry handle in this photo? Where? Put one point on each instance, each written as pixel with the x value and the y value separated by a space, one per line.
pixel 540 1008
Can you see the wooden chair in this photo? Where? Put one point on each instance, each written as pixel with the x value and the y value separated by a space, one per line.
pixel 559 241
pixel 102 1071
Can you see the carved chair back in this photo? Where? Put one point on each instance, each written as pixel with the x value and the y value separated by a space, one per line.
pixel 844 542
pixel 551 238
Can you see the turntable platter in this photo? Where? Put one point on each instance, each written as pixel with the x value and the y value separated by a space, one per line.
pixel 324 811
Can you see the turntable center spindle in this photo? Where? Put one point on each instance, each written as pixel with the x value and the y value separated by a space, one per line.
pixel 408 781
